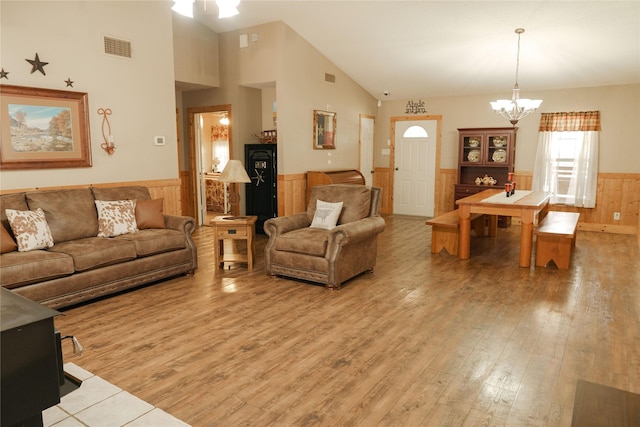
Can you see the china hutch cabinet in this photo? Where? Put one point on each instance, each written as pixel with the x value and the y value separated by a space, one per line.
pixel 485 157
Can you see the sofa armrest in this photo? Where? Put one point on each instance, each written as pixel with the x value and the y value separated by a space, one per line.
pixel 356 231
pixel 186 224
pixel 274 227
pixel 280 225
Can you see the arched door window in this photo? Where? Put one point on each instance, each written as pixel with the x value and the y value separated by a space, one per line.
pixel 415 132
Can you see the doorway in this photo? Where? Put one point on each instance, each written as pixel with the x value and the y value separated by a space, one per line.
pixel 415 164
pixel 367 126
pixel 210 148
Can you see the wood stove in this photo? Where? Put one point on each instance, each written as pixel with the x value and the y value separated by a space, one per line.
pixel 31 361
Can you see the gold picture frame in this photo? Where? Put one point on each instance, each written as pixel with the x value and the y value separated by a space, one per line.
pixel 47 128
pixel 324 130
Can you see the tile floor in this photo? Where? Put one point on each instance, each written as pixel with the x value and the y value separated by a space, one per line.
pixel 97 403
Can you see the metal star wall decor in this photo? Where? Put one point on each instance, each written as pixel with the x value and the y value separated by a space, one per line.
pixel 37 65
pixel 69 82
pixel 3 74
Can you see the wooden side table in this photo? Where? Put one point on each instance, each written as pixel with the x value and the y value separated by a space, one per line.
pixel 234 228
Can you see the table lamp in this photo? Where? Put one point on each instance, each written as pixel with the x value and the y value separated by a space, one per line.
pixel 233 173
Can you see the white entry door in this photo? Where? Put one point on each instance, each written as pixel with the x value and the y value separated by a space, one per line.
pixel 415 165
pixel 367 124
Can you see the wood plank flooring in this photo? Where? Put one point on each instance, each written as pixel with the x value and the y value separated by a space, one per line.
pixel 426 340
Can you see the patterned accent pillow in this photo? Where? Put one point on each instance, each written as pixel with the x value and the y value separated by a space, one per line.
pixel 326 215
pixel 30 228
pixel 116 217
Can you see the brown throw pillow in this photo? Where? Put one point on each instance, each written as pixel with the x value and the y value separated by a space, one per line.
pixel 149 214
pixel 7 244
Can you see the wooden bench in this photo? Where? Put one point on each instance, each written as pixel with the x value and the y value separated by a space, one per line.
pixel 555 238
pixel 445 230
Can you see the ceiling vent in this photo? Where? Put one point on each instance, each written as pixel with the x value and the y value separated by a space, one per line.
pixel 118 47
pixel 331 78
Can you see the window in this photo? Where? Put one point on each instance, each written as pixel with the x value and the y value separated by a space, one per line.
pixel 563 150
pixel 415 132
pixel 567 157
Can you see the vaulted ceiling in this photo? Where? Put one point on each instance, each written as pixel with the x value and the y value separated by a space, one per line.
pixel 450 48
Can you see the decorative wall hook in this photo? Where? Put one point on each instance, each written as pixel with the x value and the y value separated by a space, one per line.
pixel 107 145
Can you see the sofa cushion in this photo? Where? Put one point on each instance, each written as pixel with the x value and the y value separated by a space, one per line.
pixel 356 200
pixel 23 268
pixel 7 244
pixel 308 241
pixel 30 228
pixel 93 252
pixel 116 217
pixel 155 241
pixel 71 213
pixel 16 201
pixel 132 192
pixel 149 214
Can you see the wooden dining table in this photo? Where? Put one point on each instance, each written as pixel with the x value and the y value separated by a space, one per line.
pixel 530 206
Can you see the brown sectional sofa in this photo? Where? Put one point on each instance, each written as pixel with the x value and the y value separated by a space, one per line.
pixel 81 266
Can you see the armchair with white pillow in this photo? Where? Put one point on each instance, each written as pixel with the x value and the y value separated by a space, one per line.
pixel 333 241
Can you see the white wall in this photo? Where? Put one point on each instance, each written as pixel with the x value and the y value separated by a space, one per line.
pixel 139 91
pixel 284 60
pixel 619 108
pixel 196 53
pixel 301 89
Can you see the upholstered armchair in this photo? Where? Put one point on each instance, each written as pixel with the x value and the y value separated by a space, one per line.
pixel 306 246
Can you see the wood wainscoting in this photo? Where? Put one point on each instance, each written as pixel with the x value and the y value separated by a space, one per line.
pixel 443 192
pixel 167 189
pixel 292 193
pixel 188 192
pixel 617 192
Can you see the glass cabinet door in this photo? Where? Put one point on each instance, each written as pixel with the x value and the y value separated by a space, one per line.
pixel 498 149
pixel 472 149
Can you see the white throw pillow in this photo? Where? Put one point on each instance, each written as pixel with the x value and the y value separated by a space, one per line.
pixel 30 228
pixel 326 215
pixel 116 217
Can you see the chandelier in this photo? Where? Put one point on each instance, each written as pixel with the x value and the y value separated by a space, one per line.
pixel 515 108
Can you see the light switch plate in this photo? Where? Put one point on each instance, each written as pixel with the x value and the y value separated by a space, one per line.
pixel 244 40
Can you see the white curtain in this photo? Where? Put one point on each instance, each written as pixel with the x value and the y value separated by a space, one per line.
pixel 543 169
pixel 584 176
pixel 586 170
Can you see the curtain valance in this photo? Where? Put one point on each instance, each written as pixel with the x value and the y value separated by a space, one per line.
pixel 583 121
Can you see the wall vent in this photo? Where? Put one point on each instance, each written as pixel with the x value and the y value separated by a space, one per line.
pixel 118 47
pixel 331 78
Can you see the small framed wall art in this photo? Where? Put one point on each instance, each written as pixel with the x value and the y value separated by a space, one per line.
pixel 324 130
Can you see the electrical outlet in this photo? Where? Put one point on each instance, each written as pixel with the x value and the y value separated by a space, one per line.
pixel 616 216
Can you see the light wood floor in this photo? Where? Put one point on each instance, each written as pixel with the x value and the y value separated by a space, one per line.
pixel 426 340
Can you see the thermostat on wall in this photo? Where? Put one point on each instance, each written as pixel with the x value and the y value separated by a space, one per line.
pixel 158 140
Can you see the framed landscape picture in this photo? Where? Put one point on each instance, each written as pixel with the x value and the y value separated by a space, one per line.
pixel 43 128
